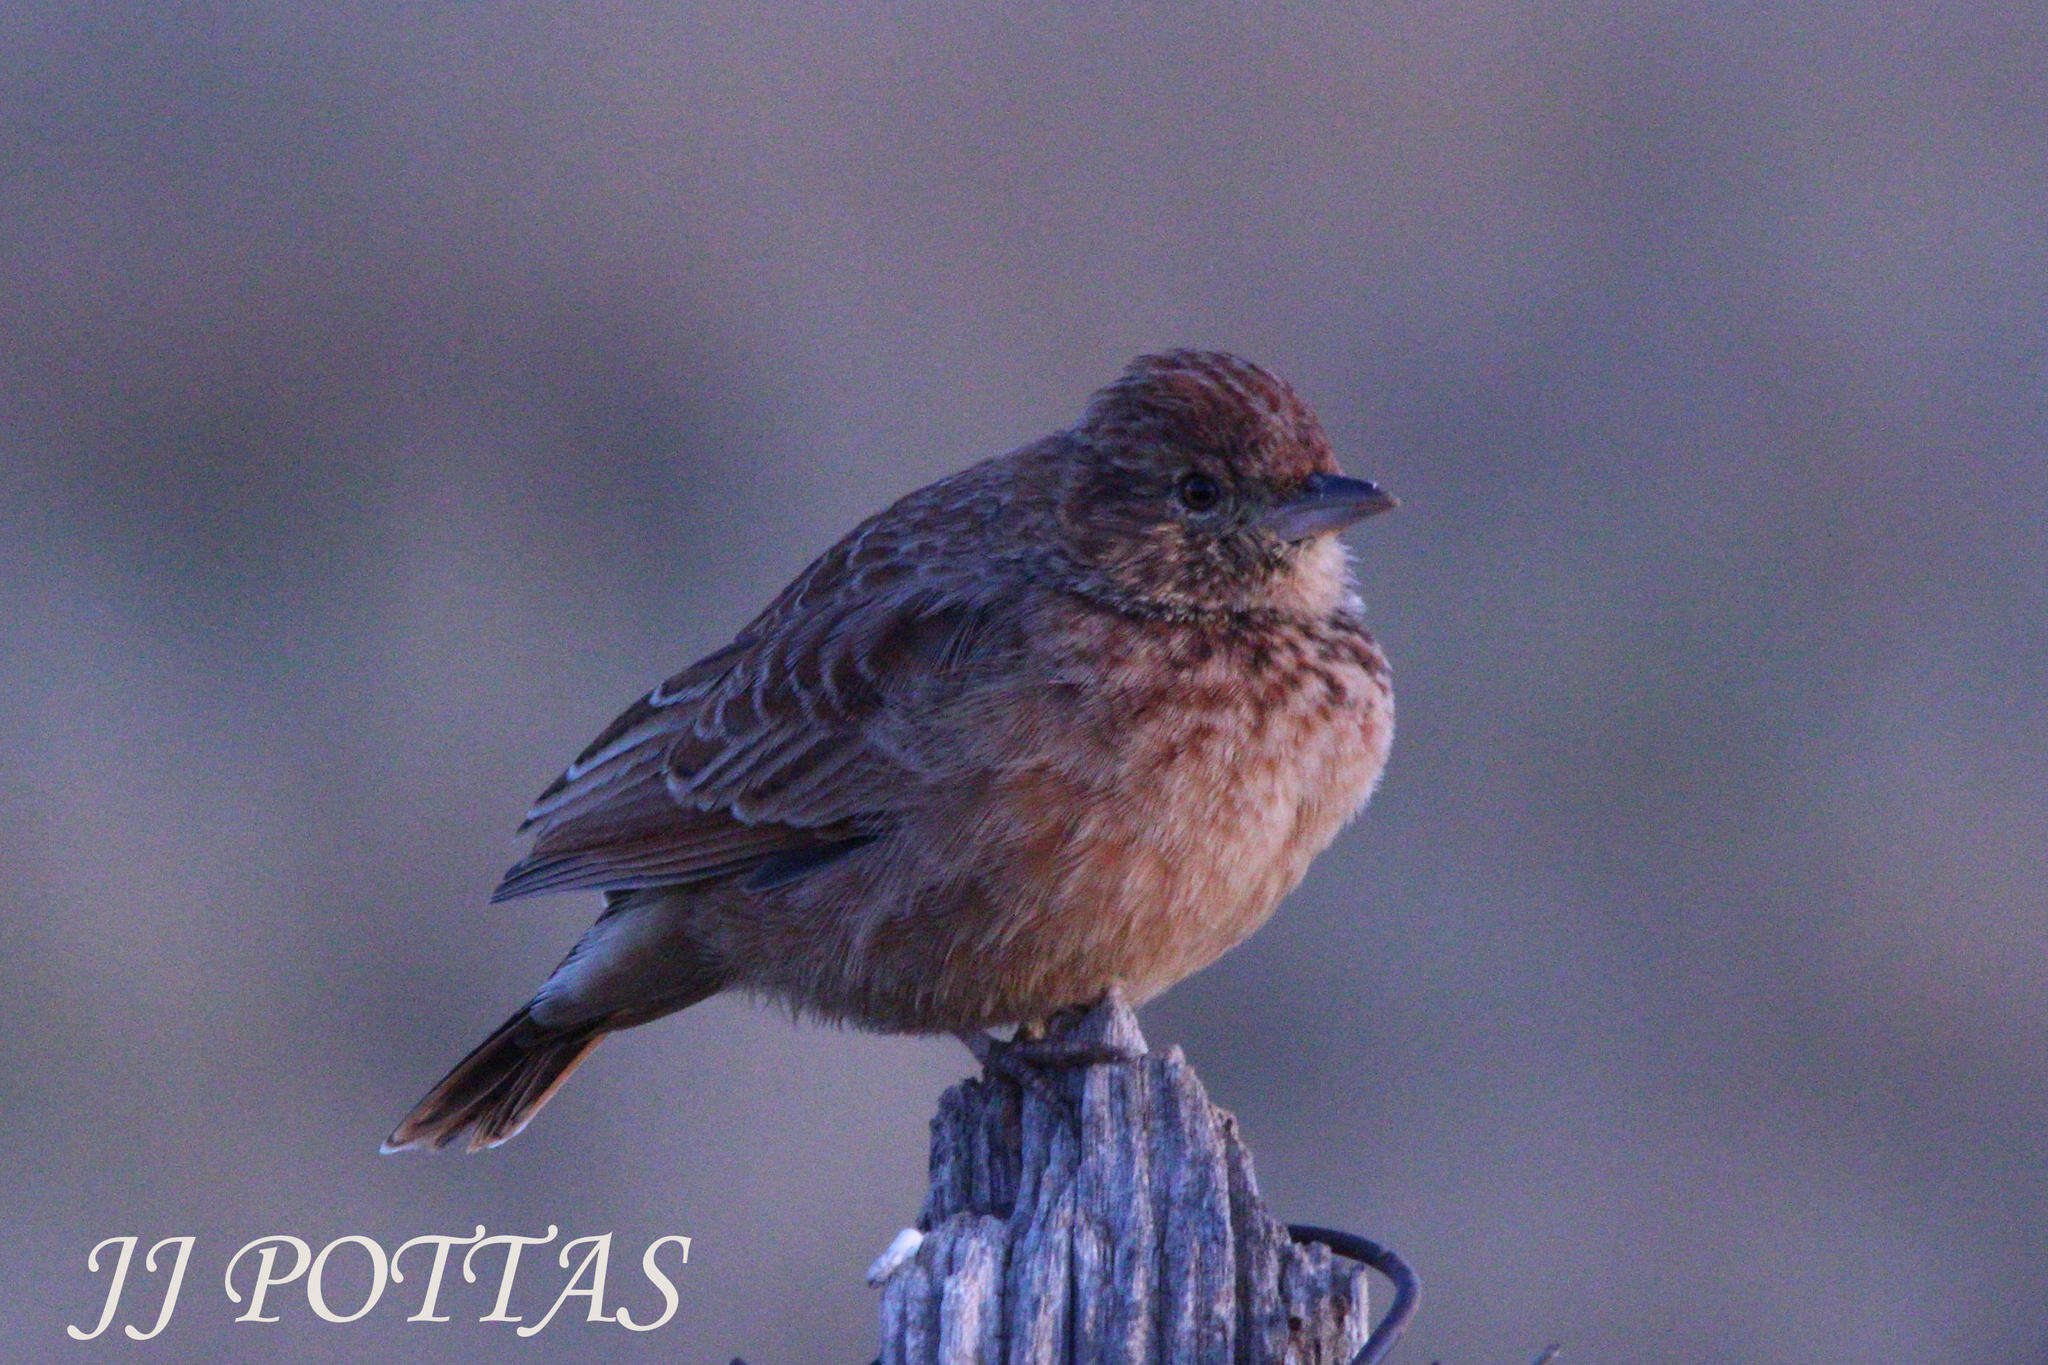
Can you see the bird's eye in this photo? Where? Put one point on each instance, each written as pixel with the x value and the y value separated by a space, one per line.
pixel 1199 492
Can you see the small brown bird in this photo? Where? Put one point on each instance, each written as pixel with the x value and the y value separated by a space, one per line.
pixel 1075 717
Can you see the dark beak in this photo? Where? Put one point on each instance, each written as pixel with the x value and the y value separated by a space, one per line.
pixel 1326 503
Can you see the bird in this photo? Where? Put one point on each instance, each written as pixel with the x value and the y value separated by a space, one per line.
pixel 1073 719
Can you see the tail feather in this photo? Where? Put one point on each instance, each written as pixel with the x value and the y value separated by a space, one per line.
pixel 494 1091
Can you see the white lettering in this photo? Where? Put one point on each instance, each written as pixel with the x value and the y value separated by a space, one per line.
pixel 441 1245
pixel 170 1305
pixel 661 1282
pixel 600 1254
pixel 513 1244
pixel 267 1263
pixel 586 1259
pixel 114 1286
pixel 380 1269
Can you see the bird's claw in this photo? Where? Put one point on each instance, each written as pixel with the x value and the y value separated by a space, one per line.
pixel 1103 1034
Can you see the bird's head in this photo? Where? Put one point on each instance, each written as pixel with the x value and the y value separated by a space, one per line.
pixel 1199 482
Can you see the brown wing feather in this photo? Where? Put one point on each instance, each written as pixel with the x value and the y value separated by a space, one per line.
pixel 771 747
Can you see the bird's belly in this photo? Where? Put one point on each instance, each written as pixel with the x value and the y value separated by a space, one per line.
pixel 1111 835
pixel 1230 835
pixel 1211 815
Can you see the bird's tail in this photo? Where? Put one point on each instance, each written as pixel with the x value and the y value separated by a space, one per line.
pixel 495 1090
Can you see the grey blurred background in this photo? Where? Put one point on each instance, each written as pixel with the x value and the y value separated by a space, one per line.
pixel 389 393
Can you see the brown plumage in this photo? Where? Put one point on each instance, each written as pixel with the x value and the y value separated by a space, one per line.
pixel 1076 716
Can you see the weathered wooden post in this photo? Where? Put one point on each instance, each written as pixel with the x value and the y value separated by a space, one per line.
pixel 1109 1214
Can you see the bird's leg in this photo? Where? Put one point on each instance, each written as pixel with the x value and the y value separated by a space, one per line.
pixel 999 1058
pixel 1078 1037
pixel 1100 1034
pixel 1057 1054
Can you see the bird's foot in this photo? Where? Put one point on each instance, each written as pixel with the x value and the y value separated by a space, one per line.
pixel 1062 1054
pixel 1102 1034
pixel 1000 1059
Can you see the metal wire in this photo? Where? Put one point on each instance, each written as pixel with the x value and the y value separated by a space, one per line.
pixel 1407 1287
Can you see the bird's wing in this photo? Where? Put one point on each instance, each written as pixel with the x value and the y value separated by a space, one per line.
pixel 783 747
